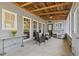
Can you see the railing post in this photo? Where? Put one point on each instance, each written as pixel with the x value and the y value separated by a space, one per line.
pixel 3 53
pixel 22 45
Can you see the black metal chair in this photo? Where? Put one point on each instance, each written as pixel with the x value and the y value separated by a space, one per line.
pixel 39 39
pixel 47 36
pixel 42 38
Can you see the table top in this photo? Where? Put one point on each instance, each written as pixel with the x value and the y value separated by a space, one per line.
pixel 11 37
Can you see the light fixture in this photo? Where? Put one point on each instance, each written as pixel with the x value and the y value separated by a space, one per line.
pixel 50 17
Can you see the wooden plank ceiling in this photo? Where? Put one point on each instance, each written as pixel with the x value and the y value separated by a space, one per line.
pixel 47 10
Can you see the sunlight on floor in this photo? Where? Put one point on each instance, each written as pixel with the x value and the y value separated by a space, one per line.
pixel 52 47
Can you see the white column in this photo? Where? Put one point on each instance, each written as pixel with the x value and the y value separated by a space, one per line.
pixel 31 29
pixel 75 22
pixel 37 26
pixel 41 27
pixel 45 28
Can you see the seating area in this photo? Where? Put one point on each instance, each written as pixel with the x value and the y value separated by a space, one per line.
pixel 41 37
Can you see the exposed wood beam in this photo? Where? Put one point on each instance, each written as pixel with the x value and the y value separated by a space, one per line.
pixel 57 5
pixel 59 17
pixel 56 12
pixel 26 4
pixel 16 3
pixel 64 18
pixel 56 15
pixel 35 5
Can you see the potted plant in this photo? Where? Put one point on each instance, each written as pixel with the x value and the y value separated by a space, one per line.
pixel 14 31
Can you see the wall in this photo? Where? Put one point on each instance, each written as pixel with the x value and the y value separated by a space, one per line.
pixel 71 27
pixel 20 12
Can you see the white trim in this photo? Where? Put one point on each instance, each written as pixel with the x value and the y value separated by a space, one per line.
pixel 37 24
pixel 35 20
pixel 40 22
pixel 42 26
pixel 3 13
pixel 23 20
pixel 30 25
pixel 75 21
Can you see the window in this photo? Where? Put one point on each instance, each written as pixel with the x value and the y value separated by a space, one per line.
pixel 27 26
pixel 40 26
pixel 76 22
pixel 43 27
pixel 9 20
pixel 59 27
pixel 34 25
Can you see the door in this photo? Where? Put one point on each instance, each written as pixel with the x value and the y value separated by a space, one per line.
pixel 50 29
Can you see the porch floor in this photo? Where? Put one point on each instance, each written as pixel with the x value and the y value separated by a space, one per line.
pixel 52 47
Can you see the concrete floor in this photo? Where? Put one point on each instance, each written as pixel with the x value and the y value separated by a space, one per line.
pixel 52 47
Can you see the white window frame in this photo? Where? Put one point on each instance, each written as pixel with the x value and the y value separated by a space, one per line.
pixel 30 25
pixel 56 28
pixel 37 24
pixel 75 21
pixel 3 19
pixel 41 27
pixel 23 20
